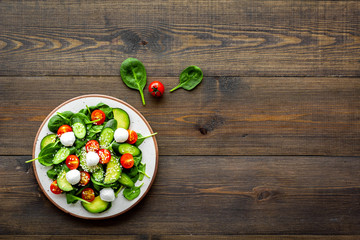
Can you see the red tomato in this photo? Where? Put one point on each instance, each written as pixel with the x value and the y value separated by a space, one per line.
pixel 92 146
pixel 84 178
pixel 54 188
pixel 156 89
pixel 127 160
pixel 104 155
pixel 63 129
pixel 98 114
pixel 88 194
pixel 132 137
pixel 72 162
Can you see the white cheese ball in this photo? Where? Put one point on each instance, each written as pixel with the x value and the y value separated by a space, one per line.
pixel 92 159
pixel 121 135
pixel 107 194
pixel 67 139
pixel 73 176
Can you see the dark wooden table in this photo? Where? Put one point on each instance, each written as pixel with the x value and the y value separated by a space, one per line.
pixel 266 147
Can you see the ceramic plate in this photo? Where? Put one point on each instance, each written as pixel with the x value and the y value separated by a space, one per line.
pixel 148 147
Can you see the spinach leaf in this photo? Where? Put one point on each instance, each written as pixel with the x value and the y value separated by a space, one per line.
pixel 141 138
pixel 132 193
pixel 70 198
pixel 47 154
pixel 53 172
pixel 137 159
pixel 133 74
pixel 55 122
pixel 190 77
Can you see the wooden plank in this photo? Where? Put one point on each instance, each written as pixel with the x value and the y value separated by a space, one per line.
pixel 205 195
pixel 222 116
pixel 231 38
pixel 181 237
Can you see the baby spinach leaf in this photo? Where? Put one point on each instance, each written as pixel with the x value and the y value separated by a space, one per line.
pixel 46 155
pixel 133 74
pixel 141 138
pixel 53 172
pixel 132 193
pixel 190 77
pixel 70 198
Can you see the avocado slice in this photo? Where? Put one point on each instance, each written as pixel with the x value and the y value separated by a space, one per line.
pixel 51 138
pixel 122 118
pixel 97 205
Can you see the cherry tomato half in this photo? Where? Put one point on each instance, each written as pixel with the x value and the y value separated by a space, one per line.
pixel 104 155
pixel 156 89
pixel 54 188
pixel 98 114
pixel 63 129
pixel 88 194
pixel 92 146
pixel 72 162
pixel 127 160
pixel 132 137
pixel 84 178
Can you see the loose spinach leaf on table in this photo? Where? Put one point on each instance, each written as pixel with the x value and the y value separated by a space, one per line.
pixel 190 77
pixel 133 74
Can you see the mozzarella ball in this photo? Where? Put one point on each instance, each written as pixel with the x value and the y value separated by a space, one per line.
pixel 67 139
pixel 121 135
pixel 73 176
pixel 92 159
pixel 107 194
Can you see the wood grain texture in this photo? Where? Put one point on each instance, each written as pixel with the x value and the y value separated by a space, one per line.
pixel 223 37
pixel 181 237
pixel 222 116
pixel 242 195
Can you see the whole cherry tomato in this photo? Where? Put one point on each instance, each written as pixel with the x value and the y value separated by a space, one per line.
pixel 63 129
pixel 54 188
pixel 104 155
pixel 72 162
pixel 84 178
pixel 92 146
pixel 127 160
pixel 88 194
pixel 132 137
pixel 98 115
pixel 156 89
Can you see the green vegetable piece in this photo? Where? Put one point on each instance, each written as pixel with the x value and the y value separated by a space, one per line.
pixel 47 154
pixel 128 148
pixel 55 122
pixel 71 198
pixel 53 172
pixel 132 193
pixel 63 184
pixel 133 74
pixel 106 137
pixel 190 77
pixel 142 138
pixel 122 118
pixel 126 180
pixel 112 123
pixel 97 205
pixel 113 170
pixel 83 164
pixel 62 154
pixel 98 175
pixel 51 138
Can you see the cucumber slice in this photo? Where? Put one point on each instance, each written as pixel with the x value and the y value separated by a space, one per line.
pixel 122 118
pixel 126 180
pixel 61 155
pixel 128 148
pixel 113 170
pixel 106 137
pixel 51 138
pixel 98 175
pixel 63 184
pixel 97 205
pixel 79 130
pixel 83 164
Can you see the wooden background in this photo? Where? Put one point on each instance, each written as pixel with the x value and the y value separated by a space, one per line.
pixel 267 147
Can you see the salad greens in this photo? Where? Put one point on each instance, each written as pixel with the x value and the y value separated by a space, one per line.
pixel 133 74
pixel 190 77
pixel 110 175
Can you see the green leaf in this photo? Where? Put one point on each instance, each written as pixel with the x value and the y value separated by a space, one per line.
pixel 190 77
pixel 132 193
pixel 133 74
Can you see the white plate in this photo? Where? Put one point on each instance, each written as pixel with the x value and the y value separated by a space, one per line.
pixel 149 149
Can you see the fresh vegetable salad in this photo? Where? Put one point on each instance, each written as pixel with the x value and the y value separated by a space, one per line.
pixel 94 156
